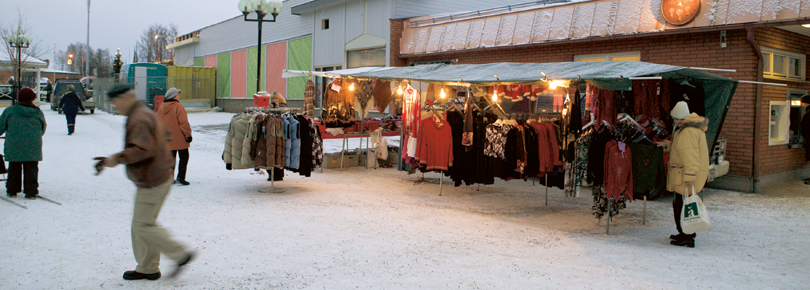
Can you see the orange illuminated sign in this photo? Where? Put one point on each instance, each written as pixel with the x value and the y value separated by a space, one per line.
pixel 680 12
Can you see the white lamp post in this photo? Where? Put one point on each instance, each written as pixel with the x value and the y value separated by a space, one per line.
pixel 18 41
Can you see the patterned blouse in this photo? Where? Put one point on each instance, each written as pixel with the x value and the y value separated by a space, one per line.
pixel 496 140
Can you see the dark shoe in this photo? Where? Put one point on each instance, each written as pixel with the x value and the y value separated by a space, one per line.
pixel 70 133
pixel 181 264
pixel 30 196
pixel 9 194
pixel 132 275
pixel 684 243
pixel 807 181
pixel 182 181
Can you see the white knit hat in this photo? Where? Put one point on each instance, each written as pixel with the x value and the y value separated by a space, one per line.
pixel 681 111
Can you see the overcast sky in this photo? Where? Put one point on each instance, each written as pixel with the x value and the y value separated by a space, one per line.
pixel 113 23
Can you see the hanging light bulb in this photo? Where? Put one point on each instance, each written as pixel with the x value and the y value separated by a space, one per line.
pixel 399 90
pixel 552 85
pixel 351 87
pixel 442 94
pixel 495 95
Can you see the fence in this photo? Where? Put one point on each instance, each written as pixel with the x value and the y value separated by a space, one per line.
pixel 194 88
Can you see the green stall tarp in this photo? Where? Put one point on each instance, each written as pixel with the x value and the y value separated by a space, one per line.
pixel 224 75
pixel 300 58
pixel 612 75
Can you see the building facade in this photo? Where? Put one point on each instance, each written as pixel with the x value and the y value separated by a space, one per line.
pixel 317 35
pixel 761 40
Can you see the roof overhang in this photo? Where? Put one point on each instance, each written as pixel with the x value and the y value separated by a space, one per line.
pixel 313 5
pixel 183 43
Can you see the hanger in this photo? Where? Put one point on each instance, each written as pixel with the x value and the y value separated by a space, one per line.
pixel 589 123
pixel 686 83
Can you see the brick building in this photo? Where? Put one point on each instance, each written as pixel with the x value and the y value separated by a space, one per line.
pixel 759 39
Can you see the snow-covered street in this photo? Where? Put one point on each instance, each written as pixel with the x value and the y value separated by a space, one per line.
pixel 367 228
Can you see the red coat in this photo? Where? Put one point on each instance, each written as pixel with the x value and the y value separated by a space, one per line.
pixel 618 171
pixel 435 147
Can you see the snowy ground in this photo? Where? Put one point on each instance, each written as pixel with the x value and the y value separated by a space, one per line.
pixel 366 228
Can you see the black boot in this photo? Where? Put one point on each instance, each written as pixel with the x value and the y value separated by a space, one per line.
pixel 684 243
pixel 9 194
pixel 132 275
pixel 182 182
pixel 181 264
pixel 681 236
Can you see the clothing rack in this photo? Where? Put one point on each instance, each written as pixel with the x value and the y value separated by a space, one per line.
pixel 272 188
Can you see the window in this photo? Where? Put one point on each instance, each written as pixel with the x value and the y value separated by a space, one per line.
pixel 778 123
pixel 321 82
pixel 783 65
pixel 796 140
pixel 324 24
pixel 619 56
pixel 365 58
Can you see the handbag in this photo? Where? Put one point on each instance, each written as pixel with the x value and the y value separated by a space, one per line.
pixel 694 217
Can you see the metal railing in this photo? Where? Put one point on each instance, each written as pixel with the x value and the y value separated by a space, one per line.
pixel 194 88
pixel 481 12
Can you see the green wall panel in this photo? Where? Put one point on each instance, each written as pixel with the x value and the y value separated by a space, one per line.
pixel 299 58
pixel 200 61
pixel 224 75
pixel 251 71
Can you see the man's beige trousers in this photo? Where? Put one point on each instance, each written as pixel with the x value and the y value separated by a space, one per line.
pixel 148 239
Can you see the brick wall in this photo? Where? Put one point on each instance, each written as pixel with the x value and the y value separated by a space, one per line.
pixel 693 50
pixel 779 158
pixel 397 26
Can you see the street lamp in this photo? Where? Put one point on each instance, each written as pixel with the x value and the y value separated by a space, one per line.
pixel 262 8
pixel 157 49
pixel 18 41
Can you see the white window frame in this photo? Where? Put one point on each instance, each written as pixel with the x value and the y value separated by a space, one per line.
pixel 608 56
pixel 778 123
pixel 769 54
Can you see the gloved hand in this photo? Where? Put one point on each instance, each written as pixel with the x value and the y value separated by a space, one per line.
pixel 188 139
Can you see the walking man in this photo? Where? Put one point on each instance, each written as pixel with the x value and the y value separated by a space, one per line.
pixel 70 105
pixel 149 165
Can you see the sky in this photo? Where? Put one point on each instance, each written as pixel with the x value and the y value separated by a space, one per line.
pixel 113 23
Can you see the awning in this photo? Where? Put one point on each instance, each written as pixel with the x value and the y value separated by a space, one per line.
pixel 332 74
pixel 612 75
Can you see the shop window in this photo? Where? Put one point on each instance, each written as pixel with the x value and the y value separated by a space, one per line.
pixel 796 140
pixel 780 64
pixel 366 58
pixel 620 56
pixel 778 123
pixel 324 24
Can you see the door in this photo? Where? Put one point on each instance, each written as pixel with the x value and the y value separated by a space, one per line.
pixel 140 82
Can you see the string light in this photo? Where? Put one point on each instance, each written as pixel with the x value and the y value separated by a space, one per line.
pixel 442 94
pixel 399 90
pixel 552 85
pixel 351 87
pixel 495 95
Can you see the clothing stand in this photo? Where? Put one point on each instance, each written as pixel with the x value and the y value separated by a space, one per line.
pixel 608 215
pixel 546 189
pixel 644 217
pixel 272 188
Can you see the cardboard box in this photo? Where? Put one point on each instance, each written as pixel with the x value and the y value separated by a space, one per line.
pixel 332 161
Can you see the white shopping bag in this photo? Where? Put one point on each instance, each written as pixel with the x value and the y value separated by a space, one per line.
pixel 694 217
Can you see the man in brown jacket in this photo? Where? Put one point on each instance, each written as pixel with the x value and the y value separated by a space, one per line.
pixel 149 166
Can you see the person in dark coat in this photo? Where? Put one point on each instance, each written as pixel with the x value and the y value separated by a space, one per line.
pixel 70 105
pixel 24 124
pixel 806 130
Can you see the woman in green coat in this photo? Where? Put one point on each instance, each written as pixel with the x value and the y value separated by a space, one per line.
pixel 24 124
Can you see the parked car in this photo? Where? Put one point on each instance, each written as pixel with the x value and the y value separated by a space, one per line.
pixel 59 90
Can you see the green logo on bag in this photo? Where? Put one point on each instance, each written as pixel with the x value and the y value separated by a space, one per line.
pixel 691 210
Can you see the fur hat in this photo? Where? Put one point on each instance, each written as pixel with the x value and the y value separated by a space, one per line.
pixel 681 111
pixel 26 95
pixel 171 93
pixel 71 88
pixel 119 89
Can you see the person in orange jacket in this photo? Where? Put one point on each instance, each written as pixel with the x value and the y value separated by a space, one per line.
pixel 174 115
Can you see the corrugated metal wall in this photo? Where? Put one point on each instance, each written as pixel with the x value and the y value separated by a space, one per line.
pixel 276 62
pixel 223 74
pixel 300 58
pixel 200 61
pixel 239 74
pixel 354 21
pixel 236 33
pixel 329 43
pixel 413 8
pixel 211 61
pixel 251 70
pixel 378 15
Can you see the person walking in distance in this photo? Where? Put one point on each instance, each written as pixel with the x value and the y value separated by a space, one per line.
pixel 688 167
pixel 70 105
pixel 149 166
pixel 174 115
pixel 24 124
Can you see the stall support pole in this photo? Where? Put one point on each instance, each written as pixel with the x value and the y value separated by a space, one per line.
pixel 342 149
pixel 546 188
pixel 608 216
pixel 441 184
pixel 272 188
pixel 644 217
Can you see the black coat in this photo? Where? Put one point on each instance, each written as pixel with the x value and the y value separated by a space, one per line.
pixel 70 103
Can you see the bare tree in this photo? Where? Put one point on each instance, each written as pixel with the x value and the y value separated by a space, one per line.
pixel 100 60
pixel 34 51
pixel 152 45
